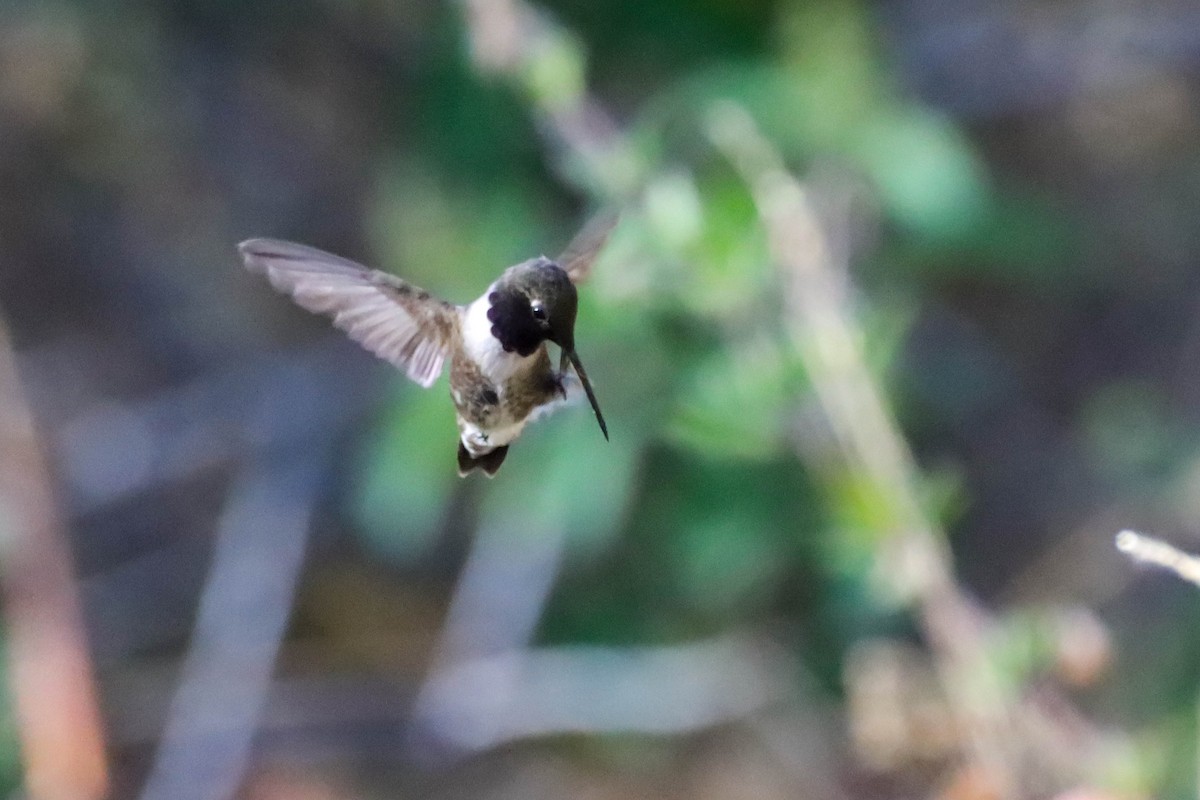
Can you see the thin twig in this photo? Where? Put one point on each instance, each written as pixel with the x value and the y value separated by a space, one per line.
pixel 50 673
pixel 916 562
pixel 1149 550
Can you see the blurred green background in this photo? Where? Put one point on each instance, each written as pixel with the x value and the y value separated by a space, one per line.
pixel 704 607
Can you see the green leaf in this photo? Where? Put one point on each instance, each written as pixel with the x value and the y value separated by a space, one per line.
pixel 929 178
pixel 736 403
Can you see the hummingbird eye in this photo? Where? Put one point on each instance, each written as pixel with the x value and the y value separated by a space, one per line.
pixel 539 311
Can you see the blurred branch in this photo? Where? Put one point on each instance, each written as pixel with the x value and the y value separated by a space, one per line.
pixel 496 606
pixel 112 452
pixel 485 702
pixel 511 39
pixel 916 563
pixel 487 686
pixel 243 616
pixel 1157 552
pixel 49 673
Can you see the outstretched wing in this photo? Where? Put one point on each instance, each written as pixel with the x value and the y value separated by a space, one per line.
pixel 581 253
pixel 390 317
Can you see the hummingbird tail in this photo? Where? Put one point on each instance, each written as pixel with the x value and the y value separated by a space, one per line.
pixel 489 462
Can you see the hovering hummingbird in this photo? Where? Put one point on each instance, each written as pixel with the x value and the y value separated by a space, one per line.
pixel 500 371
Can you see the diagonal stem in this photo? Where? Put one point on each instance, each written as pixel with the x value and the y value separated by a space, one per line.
pixel 50 673
pixel 244 610
pixel 916 563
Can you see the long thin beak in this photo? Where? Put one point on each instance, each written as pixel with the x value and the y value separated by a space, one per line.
pixel 570 355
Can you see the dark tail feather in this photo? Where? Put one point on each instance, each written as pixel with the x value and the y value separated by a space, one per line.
pixel 488 462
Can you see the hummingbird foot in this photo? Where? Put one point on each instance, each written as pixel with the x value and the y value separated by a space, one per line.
pixel 566 385
pixel 558 384
pixel 569 386
pixel 565 390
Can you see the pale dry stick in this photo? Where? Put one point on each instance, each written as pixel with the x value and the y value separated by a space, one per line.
pixel 50 674
pixel 918 563
pixel 1149 550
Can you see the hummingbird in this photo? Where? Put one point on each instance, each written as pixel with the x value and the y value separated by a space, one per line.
pixel 501 376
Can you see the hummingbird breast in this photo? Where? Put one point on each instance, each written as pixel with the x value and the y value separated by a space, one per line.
pixel 495 391
pixel 481 346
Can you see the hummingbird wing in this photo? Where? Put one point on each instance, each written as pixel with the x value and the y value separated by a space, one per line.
pixel 581 253
pixel 388 316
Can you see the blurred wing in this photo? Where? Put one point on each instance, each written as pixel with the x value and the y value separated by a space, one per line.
pixel 581 253
pixel 390 317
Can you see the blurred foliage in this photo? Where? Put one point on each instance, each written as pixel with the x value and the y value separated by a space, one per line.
pixel 1022 272
pixel 10 752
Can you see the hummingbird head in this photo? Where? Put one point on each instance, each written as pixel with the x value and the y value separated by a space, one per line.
pixel 534 302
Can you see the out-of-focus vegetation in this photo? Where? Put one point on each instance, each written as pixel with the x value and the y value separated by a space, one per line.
pixel 287 592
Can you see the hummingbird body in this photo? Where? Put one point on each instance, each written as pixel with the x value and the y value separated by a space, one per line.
pixel 501 376
pixel 495 392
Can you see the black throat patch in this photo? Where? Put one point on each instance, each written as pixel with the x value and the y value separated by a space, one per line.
pixel 513 324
